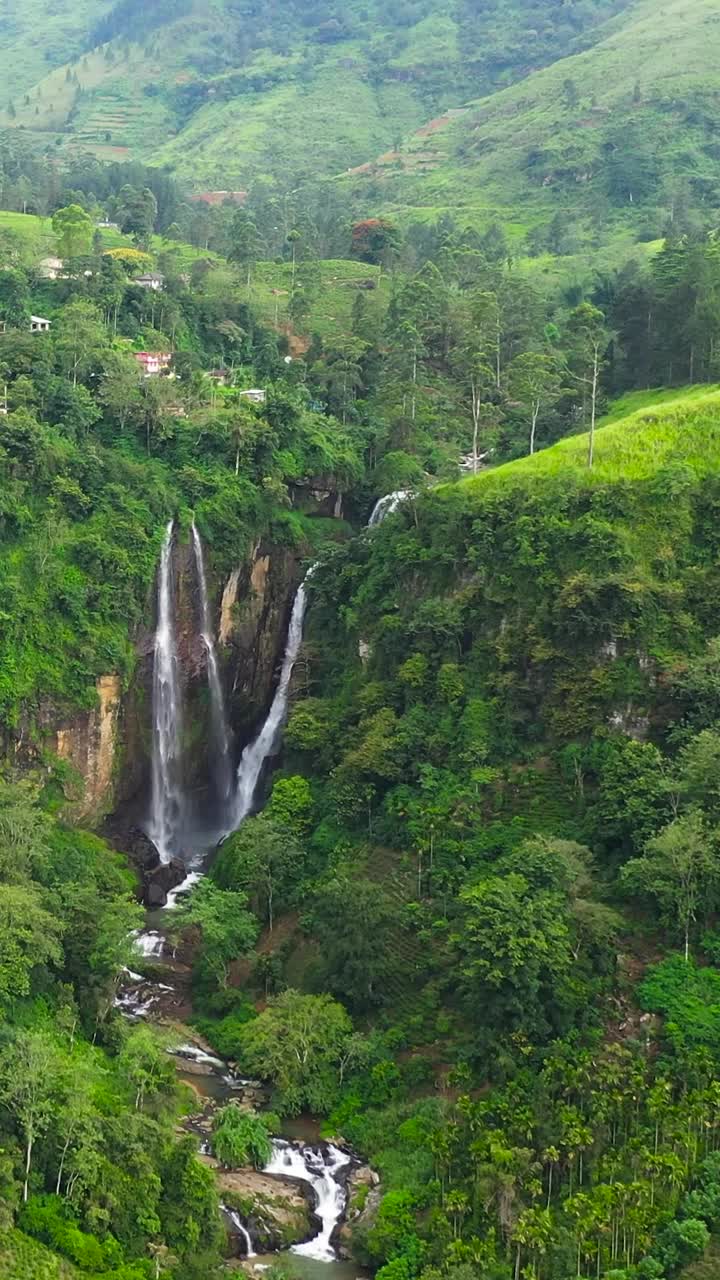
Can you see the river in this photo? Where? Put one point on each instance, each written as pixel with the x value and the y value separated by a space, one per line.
pixel 299 1154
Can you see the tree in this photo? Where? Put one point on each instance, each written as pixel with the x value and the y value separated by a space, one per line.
pixel 79 338
pixel 240 1137
pixel 588 343
pixel 29 1082
pixel 25 832
pixel 120 388
pixel 73 228
pixel 293 239
pixel 355 923
pixel 680 871
pixel 227 927
pixel 15 298
pixel 163 1258
pixel 76 1120
pixel 375 240
pixel 298 1042
pixel 145 1064
pixel 244 242
pixel 514 949
pixel 291 805
pixel 264 859
pixel 534 379
pixel 29 937
pixel 137 213
pixel 571 95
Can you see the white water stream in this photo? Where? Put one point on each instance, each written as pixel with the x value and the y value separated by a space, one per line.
pixel 386 506
pixel 320 1167
pixel 256 753
pixel 241 1229
pixel 167 807
pixel 222 771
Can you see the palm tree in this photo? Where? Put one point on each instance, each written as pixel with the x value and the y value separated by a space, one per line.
pixel 162 1258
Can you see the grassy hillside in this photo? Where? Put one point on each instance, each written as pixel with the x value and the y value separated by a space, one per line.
pixel 226 97
pixel 24 1259
pixel 331 288
pixel 38 34
pixel 613 138
pixel 665 428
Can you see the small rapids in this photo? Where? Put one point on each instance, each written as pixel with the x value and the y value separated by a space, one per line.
pixel 319 1166
pixel 150 943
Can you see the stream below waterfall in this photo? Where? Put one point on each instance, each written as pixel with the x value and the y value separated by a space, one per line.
pixel 299 1155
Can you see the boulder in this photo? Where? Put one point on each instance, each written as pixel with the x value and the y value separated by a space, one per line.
pixel 159 882
pixel 364 1196
pixel 278 1212
pixel 135 844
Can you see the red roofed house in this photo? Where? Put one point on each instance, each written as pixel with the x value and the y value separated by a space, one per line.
pixel 153 362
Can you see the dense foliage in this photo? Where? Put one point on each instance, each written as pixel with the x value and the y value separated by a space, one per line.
pixel 474 927
pixel 90 1163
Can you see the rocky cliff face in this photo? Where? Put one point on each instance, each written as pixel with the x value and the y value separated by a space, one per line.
pixel 108 747
pixel 254 613
pixel 249 612
pixel 89 742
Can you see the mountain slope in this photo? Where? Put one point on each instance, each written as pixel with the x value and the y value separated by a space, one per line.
pixel 38 34
pixel 225 93
pixel 620 135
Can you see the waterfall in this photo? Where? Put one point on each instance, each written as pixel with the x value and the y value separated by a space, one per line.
pixel 257 752
pixel 167 812
pixel 241 1229
pixel 221 753
pixel 385 506
pixel 149 943
pixel 255 755
pixel 319 1166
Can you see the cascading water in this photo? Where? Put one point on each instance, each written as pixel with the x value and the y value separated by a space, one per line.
pixel 167 812
pixel 386 506
pixel 220 746
pixel 257 752
pixel 242 1231
pixel 319 1166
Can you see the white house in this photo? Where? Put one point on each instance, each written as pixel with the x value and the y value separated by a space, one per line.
pixel 255 395
pixel 151 280
pixel 38 324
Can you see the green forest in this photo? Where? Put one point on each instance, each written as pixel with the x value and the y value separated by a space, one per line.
pixel 360 555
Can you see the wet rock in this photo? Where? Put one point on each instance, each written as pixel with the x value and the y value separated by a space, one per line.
pixel 159 882
pixel 130 839
pixel 277 1212
pixel 364 1197
pixel 156 878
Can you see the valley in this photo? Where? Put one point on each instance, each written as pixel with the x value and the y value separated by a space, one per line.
pixel 359 655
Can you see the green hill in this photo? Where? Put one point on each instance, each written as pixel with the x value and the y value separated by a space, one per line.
pixel 666 428
pixel 619 138
pixel 24 1259
pixel 36 35
pixel 225 95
